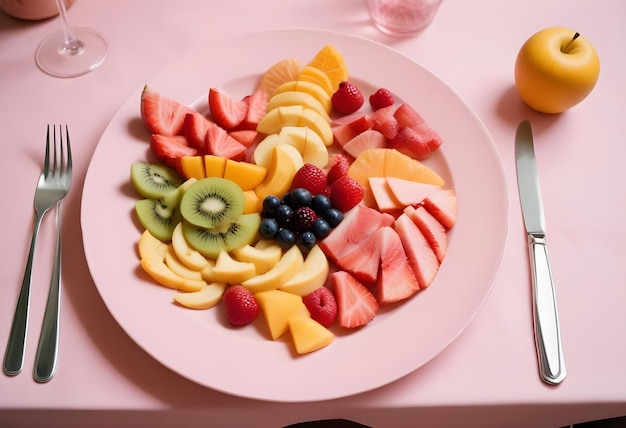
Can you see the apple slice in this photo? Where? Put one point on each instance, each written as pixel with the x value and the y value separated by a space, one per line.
pixel 179 268
pixel 232 271
pixel 291 98
pixel 287 267
pixel 263 257
pixel 163 275
pixel 311 276
pixel 190 257
pixel 205 298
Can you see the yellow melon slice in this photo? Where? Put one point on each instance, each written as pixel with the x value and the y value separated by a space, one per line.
pixel 308 335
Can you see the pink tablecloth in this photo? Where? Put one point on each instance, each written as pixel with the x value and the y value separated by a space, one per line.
pixel 488 376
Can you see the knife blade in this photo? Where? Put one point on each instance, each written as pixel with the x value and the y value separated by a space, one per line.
pixel 545 313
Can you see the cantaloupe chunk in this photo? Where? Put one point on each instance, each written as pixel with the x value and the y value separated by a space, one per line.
pixel 277 306
pixel 193 167
pixel 246 175
pixel 214 166
pixel 308 335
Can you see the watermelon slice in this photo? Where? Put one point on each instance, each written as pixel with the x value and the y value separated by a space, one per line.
pixel 421 256
pixel 358 224
pixel 396 280
pixel 433 231
pixel 443 205
pixel 162 115
pixel 368 139
pixel 345 131
pixel 363 261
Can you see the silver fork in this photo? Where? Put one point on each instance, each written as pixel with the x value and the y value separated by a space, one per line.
pixel 54 183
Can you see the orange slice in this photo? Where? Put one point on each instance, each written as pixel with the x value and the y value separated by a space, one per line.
pixel 331 61
pixel 389 163
pixel 279 73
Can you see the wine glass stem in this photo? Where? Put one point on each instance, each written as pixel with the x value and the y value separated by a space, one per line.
pixel 71 45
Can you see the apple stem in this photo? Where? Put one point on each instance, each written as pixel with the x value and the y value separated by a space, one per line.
pixel 566 48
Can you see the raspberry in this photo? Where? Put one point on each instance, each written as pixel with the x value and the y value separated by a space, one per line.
pixel 241 306
pixel 381 98
pixel 303 219
pixel 309 177
pixel 339 165
pixel 322 306
pixel 348 98
pixel 346 193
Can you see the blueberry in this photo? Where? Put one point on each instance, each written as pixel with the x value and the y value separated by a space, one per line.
pixel 321 204
pixel 283 215
pixel 299 197
pixel 305 241
pixel 287 199
pixel 270 203
pixel 320 228
pixel 269 228
pixel 285 238
pixel 333 216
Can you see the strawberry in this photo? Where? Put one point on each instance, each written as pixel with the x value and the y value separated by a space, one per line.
pixel 219 143
pixel 162 115
pixel 370 139
pixel 322 306
pixel 247 137
pixel 381 98
pixel 195 128
pixel 257 107
pixel 226 111
pixel 339 165
pixel 347 98
pixel 384 121
pixel 170 149
pixel 418 145
pixel 309 177
pixel 356 305
pixel 345 193
pixel 241 306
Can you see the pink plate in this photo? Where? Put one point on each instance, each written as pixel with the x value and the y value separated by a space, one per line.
pixel 198 344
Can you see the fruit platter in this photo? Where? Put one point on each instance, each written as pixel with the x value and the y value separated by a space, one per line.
pixel 291 208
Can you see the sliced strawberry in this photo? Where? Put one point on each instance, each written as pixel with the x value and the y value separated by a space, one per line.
pixel 369 139
pixel 433 231
pixel 162 115
pixel 418 144
pixel 357 225
pixel 407 116
pixel 226 111
pixel 219 143
pixel 363 261
pixel 396 280
pixel 421 256
pixel 346 131
pixel 338 167
pixel 384 121
pixel 195 127
pixel 257 107
pixel 346 193
pixel 169 150
pixel 247 137
pixel 356 305
pixel 443 205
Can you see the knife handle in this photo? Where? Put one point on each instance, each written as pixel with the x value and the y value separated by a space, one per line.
pixel 545 314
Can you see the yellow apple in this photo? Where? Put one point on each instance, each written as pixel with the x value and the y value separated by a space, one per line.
pixel 311 276
pixel 556 69
pixel 289 264
pixel 205 298
pixel 232 271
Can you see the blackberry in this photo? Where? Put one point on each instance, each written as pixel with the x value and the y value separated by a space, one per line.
pixel 303 219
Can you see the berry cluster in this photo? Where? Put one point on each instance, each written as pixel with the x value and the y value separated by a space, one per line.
pixel 299 218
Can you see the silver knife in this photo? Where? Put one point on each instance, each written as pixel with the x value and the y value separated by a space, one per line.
pixel 545 314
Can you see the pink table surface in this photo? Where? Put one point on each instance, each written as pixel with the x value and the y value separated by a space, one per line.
pixel 488 376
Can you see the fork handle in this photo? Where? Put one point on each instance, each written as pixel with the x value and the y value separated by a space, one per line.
pixel 14 354
pixel 47 349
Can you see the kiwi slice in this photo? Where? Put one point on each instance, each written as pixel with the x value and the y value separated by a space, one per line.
pixel 211 202
pixel 225 237
pixel 152 180
pixel 160 216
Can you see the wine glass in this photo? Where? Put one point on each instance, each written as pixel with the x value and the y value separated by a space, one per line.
pixel 70 52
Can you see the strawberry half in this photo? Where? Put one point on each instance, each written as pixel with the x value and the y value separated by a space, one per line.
pixel 356 305
pixel 322 306
pixel 226 111
pixel 241 306
pixel 170 149
pixel 220 143
pixel 195 128
pixel 257 107
pixel 346 193
pixel 162 115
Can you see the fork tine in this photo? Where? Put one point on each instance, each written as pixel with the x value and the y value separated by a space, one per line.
pixel 69 151
pixel 55 170
pixel 46 162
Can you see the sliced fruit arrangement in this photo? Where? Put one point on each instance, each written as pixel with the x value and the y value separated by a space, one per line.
pixel 299 203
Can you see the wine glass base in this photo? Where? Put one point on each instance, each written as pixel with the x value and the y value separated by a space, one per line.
pixel 54 60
